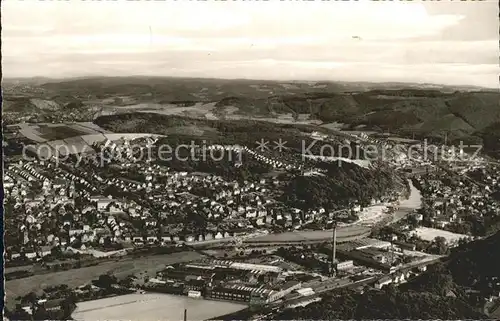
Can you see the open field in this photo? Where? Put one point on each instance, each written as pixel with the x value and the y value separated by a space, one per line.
pixel 199 109
pixel 77 277
pixel 152 306
pixel 42 132
pixel 429 234
pixel 58 132
pixel 401 108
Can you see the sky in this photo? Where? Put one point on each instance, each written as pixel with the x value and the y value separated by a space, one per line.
pixel 446 42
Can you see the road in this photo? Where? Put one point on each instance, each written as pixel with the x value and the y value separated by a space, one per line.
pixel 318 235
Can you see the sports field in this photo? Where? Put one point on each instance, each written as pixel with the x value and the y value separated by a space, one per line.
pixel 153 306
pixel 429 234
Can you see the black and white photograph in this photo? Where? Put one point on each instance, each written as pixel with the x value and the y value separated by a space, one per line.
pixel 250 160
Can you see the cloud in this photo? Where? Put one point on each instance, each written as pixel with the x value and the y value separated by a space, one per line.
pixel 238 39
pixel 273 19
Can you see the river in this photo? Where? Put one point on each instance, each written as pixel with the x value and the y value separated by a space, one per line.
pixel 409 205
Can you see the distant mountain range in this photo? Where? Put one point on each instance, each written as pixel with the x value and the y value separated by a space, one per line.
pixel 347 84
pixel 420 110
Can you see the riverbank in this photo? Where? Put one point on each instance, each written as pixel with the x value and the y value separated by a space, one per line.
pixel 412 203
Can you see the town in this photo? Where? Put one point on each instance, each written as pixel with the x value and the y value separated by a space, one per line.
pixel 255 248
pixel 251 160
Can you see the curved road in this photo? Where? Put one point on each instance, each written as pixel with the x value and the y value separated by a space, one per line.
pixel 294 236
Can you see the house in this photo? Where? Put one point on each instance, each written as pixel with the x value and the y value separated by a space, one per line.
pixel 151 239
pixel 259 222
pixel 422 268
pixel 383 282
pixel 406 246
pixel 288 287
pixel 251 214
pixel 53 305
pixel 102 203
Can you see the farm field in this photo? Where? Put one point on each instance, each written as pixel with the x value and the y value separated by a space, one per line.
pixel 43 132
pixel 77 277
pixel 152 306
pixel 58 132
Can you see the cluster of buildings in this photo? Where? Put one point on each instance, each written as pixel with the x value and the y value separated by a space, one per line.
pixel 58 203
pixel 225 280
pixel 281 163
pixel 355 263
pixel 455 203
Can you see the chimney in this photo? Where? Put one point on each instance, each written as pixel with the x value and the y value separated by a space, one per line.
pixel 334 247
pixel 333 266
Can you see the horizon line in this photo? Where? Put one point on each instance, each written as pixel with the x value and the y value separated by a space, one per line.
pixel 69 78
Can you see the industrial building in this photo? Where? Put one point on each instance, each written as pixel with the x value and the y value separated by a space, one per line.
pixel 345 266
pixel 368 257
pixel 225 280
pixel 246 266
pixel 240 293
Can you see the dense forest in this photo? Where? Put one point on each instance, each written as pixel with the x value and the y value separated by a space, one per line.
pixel 341 185
pixel 491 139
pixel 389 303
pixel 476 265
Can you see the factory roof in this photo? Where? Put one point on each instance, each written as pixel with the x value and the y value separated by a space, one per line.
pixel 245 289
pixel 305 291
pixel 363 243
pixel 260 267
